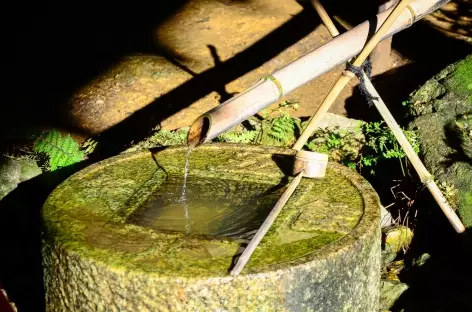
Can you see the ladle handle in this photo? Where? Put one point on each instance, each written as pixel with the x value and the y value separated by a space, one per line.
pixel 244 258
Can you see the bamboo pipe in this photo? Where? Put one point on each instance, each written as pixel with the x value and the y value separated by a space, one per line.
pixel 344 79
pixel 270 89
pixel 421 170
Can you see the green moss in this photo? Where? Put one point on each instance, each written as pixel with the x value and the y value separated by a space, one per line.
pixel 162 137
pixel 461 79
pixel 271 254
pixel 465 210
pixel 341 145
pixel 442 122
pixel 87 215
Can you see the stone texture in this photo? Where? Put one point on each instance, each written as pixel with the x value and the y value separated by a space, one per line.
pixel 330 120
pixel 222 57
pixel 436 106
pixel 14 171
pixel 95 261
pixel 390 291
pixel 396 239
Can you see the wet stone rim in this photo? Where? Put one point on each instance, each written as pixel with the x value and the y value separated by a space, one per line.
pixel 367 225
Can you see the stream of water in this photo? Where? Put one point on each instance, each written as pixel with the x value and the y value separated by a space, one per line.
pixel 216 207
pixel 183 196
pixel 209 206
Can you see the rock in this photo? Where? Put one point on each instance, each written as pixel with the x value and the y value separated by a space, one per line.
pixel 439 107
pixel 395 239
pixel 97 257
pixel 398 238
pixel 390 291
pixel 9 176
pixel 133 83
pixel 340 137
pixel 28 168
pixel 421 260
pixel 210 58
pixel 14 171
pixel 330 120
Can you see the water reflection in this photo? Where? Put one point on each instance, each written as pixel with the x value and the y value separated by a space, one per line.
pixel 216 207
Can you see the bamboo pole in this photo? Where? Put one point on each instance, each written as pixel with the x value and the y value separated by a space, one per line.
pixel 423 173
pixel 272 88
pixel 251 247
pixel 244 258
pixel 344 79
pixel 325 17
pixel 421 170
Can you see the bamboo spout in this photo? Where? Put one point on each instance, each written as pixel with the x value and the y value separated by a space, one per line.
pixel 270 89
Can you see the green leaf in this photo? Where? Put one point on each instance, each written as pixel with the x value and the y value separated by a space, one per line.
pixel 61 151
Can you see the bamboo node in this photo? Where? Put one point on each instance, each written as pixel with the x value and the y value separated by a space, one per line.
pixel 413 14
pixel 277 83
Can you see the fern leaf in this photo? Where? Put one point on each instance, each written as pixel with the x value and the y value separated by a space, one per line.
pixel 61 151
pixel 283 129
pixel 238 137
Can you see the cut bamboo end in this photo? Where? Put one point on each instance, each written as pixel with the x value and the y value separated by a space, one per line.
pixel 198 131
pixel 445 207
pixel 420 168
pixel 312 164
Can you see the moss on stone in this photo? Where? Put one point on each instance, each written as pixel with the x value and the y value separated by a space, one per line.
pixel 87 238
pixel 441 122
pixel 104 199
pixel 461 79
pixel 465 209
pixel 452 83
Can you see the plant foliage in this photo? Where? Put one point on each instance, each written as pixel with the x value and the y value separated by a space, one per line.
pixel 247 136
pixel 59 151
pixel 283 129
pixel 382 144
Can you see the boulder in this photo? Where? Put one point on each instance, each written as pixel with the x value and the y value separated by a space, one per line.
pixel 390 291
pixel 442 110
pixel 14 171
pixel 106 247
pixel 212 51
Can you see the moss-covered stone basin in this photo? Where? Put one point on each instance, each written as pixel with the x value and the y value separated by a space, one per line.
pixel 116 236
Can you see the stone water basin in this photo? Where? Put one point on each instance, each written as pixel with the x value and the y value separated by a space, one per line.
pixel 116 237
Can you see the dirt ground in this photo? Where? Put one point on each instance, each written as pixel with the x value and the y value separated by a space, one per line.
pixel 217 49
pixel 209 51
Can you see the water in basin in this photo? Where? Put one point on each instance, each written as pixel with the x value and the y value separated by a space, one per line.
pixel 212 206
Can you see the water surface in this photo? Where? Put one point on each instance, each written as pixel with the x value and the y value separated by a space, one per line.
pixel 211 206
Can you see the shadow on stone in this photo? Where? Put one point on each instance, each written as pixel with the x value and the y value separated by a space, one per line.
pixel 455 142
pixel 143 121
pixel 443 283
pixel 20 263
pixel 65 51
